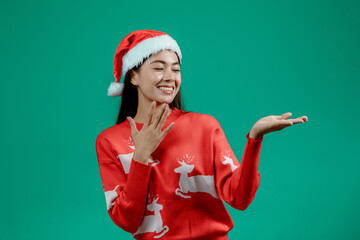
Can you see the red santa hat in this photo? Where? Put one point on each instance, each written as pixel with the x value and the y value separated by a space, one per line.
pixel 133 49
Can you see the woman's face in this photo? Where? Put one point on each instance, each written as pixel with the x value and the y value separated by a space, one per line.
pixel 161 69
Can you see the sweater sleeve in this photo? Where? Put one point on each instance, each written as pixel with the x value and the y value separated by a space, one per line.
pixel 125 194
pixel 236 183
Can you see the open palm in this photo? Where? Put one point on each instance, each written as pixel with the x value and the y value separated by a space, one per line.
pixel 275 123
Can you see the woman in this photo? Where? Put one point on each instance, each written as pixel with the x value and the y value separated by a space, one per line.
pixel 166 171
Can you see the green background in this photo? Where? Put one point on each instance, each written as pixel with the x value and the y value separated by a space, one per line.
pixel 242 60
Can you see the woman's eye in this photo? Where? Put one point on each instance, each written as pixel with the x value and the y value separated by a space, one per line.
pixel 163 69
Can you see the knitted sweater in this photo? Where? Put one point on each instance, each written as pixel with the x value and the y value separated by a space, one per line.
pixel 180 193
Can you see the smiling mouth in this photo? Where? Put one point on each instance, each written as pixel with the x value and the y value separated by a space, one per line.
pixel 167 86
pixel 167 90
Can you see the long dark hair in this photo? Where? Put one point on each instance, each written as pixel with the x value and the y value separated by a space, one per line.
pixel 129 101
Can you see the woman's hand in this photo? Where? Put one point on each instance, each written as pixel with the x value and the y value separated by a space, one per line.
pixel 149 137
pixel 274 123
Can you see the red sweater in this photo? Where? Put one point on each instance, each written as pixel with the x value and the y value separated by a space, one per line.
pixel 179 194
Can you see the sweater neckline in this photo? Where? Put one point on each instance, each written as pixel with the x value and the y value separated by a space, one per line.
pixel 172 116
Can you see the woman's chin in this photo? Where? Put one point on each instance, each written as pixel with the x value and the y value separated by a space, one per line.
pixel 164 100
pixel 161 98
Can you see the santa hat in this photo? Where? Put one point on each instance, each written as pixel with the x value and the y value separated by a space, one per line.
pixel 133 49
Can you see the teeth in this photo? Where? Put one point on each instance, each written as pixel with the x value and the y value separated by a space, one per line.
pixel 166 88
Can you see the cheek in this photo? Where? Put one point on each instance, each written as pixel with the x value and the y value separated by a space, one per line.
pixel 152 80
pixel 155 77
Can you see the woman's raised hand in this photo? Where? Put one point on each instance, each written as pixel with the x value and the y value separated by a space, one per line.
pixel 274 123
pixel 150 136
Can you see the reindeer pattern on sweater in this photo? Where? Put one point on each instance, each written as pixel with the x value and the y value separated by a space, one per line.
pixel 181 190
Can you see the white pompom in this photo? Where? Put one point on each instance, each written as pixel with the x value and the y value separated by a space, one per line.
pixel 115 89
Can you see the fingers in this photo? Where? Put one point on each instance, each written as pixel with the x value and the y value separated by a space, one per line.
pixel 290 122
pixel 296 120
pixel 133 127
pixel 161 118
pixel 158 117
pixel 150 114
pixel 166 130
pixel 285 123
pixel 284 116
pixel 299 120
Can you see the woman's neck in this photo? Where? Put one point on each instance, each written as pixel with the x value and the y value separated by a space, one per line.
pixel 143 110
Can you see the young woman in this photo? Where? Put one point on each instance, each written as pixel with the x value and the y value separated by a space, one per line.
pixel 166 172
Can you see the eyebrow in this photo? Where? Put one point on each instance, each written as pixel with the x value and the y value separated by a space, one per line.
pixel 176 63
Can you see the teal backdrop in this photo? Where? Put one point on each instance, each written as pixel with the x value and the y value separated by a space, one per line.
pixel 242 60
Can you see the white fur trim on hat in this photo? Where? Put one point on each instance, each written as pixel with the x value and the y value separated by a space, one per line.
pixel 115 89
pixel 147 47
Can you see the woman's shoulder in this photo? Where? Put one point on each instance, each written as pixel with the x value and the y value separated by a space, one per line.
pixel 203 119
pixel 112 131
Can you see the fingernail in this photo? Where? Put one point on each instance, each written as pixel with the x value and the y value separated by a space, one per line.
pixel 128 118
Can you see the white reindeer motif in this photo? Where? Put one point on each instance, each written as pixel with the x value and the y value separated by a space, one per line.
pixel 198 183
pixel 110 197
pixel 229 160
pixel 153 223
pixel 125 159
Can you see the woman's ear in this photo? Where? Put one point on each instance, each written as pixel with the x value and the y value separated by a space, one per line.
pixel 133 78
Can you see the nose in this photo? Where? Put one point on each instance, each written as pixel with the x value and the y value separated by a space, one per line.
pixel 169 74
